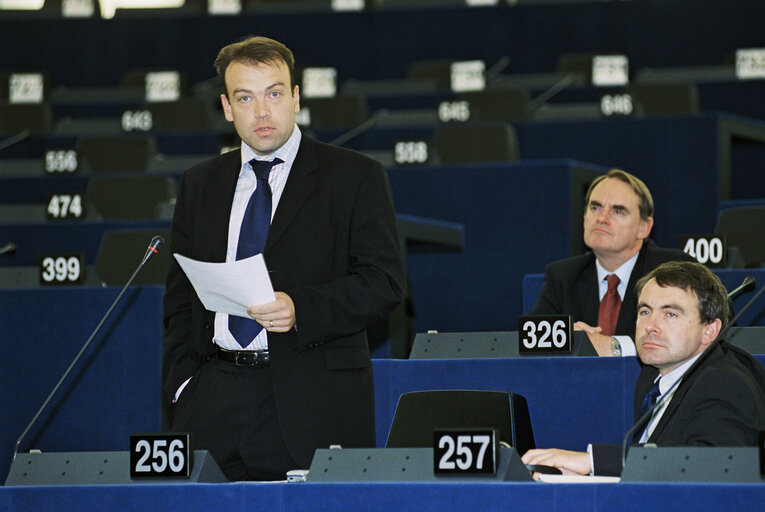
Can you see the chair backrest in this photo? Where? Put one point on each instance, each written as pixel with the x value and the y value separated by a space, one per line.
pixel 133 197
pixel 120 253
pixel 742 228
pixel 656 99
pixel 183 115
pixel 335 112
pixel 119 153
pixel 418 413
pixel 471 143
pixel 577 64
pixel 748 338
pixel 15 118
pixel 437 71
pixel 498 104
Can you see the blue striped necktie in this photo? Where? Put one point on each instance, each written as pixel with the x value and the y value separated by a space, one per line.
pixel 648 401
pixel 252 241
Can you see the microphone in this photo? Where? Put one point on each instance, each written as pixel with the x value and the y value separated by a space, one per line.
pixel 665 397
pixel 494 71
pixel 363 127
pixel 8 248
pixel 746 286
pixel 15 139
pixel 154 246
pixel 547 94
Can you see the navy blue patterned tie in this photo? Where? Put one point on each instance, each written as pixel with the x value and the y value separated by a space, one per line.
pixel 648 401
pixel 252 241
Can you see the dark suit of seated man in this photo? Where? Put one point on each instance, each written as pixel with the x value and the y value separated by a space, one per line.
pixel 617 222
pixel 682 307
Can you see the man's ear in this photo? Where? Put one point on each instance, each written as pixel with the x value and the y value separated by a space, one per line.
pixel 226 108
pixel 710 332
pixel 645 228
pixel 296 98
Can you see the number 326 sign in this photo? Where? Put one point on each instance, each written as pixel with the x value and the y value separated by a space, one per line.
pixel 544 334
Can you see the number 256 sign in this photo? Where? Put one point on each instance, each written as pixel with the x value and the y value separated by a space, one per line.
pixel 160 455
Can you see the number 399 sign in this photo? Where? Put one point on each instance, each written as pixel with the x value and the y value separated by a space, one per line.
pixel 159 455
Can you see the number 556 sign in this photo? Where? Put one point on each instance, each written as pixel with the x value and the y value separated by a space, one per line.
pixel 159 455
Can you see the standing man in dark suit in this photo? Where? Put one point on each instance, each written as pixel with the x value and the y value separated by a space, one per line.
pixel 597 288
pixel 264 393
pixel 682 308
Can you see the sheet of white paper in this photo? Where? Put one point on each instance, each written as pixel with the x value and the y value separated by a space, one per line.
pixel 229 287
pixel 578 479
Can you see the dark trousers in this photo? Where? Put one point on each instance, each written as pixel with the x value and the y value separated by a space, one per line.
pixel 229 410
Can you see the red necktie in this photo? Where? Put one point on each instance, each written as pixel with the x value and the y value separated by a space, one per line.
pixel 610 305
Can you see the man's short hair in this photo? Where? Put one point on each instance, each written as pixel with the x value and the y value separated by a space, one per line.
pixel 255 50
pixel 696 278
pixel 644 195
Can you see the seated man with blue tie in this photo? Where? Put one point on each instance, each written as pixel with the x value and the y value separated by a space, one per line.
pixel 719 401
pixel 597 288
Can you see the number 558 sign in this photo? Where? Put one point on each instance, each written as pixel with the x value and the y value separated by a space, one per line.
pixel 159 455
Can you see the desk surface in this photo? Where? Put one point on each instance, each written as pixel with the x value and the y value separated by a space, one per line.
pixel 386 497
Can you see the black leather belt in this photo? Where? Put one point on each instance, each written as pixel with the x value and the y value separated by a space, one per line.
pixel 245 357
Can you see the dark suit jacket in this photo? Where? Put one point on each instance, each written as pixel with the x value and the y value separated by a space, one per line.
pixel 571 287
pixel 722 403
pixel 332 247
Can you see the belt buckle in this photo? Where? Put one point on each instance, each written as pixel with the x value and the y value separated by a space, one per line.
pixel 236 358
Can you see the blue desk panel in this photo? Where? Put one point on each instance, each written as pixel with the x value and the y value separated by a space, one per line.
pixel 516 217
pixel 570 399
pixel 113 391
pixel 387 497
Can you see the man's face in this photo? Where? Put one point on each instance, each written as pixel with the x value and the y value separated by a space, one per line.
pixel 612 224
pixel 669 328
pixel 260 104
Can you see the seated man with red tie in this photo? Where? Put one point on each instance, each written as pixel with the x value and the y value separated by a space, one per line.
pixel 597 288
pixel 718 398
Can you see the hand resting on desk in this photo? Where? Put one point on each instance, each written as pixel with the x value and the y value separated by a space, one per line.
pixel 568 462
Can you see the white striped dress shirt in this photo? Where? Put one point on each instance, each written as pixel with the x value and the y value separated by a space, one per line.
pixel 245 187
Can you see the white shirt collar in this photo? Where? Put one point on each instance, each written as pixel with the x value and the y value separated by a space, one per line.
pixel 673 376
pixel 623 273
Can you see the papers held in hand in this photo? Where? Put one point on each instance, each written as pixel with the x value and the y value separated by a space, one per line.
pixel 229 287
